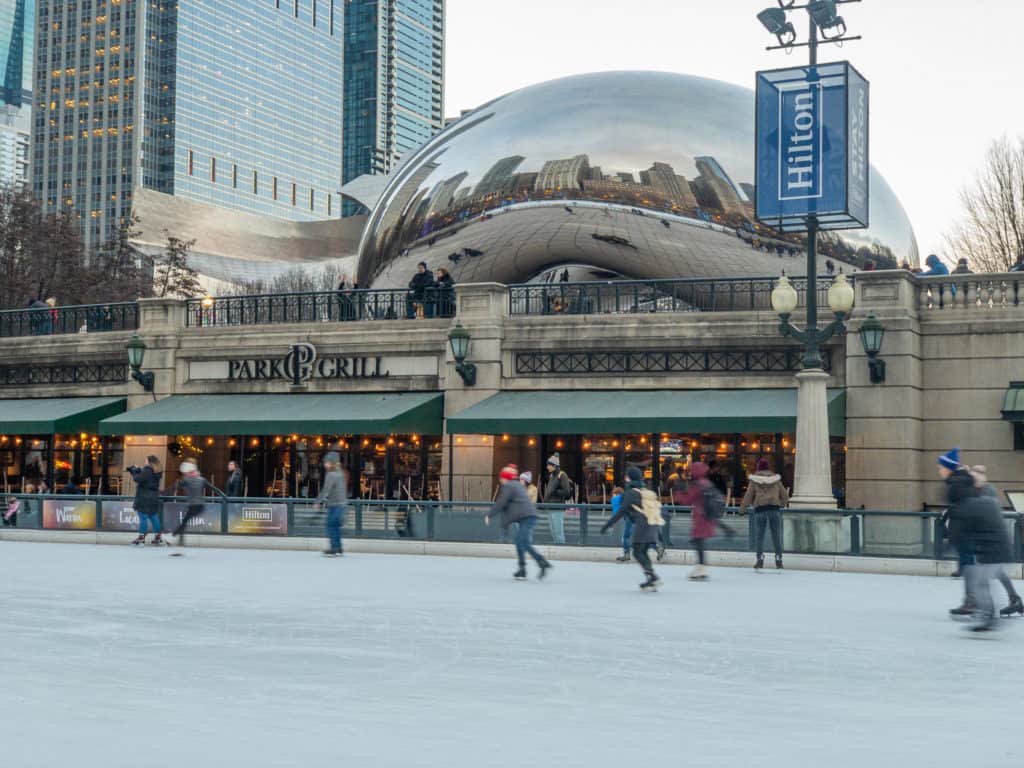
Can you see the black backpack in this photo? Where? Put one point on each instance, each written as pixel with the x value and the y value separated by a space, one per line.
pixel 714 503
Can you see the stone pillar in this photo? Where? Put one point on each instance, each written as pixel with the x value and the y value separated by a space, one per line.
pixel 482 309
pixel 812 479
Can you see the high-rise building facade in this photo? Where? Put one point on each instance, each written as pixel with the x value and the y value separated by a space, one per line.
pixel 17 32
pixel 236 103
pixel 394 81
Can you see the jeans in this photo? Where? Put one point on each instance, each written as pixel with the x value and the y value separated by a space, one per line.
pixel 335 519
pixel 978 577
pixel 771 517
pixel 524 542
pixel 556 524
pixel 508 534
pixel 627 534
pixel 147 519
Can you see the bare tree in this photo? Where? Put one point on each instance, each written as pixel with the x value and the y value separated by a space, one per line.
pixel 172 275
pixel 299 279
pixel 991 233
pixel 122 272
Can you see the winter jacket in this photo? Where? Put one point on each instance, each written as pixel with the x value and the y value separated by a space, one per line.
pixel 677 485
pixel 765 490
pixel 234 486
pixel 420 282
pixel 193 488
pixel 980 526
pixel 513 504
pixel 147 490
pixel 558 489
pixel 445 283
pixel 335 490
pixel 960 487
pixel 702 527
pixel 632 506
pixel 532 492
pixel 936 267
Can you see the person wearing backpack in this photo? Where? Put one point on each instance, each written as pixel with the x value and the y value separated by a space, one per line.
pixel 767 495
pixel 557 491
pixel 707 505
pixel 641 505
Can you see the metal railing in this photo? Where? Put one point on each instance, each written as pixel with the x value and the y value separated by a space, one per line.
pixel 971 292
pixel 729 294
pixel 87 318
pixel 870 533
pixel 319 307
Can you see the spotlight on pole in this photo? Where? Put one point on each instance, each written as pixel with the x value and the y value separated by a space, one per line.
pixel 774 20
pixel 823 12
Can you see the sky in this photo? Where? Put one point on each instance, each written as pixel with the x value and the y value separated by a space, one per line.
pixel 945 77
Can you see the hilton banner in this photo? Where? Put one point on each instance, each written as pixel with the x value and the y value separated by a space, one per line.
pixel 265 519
pixel 812 147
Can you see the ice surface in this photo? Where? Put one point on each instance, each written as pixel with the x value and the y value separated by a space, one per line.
pixel 114 656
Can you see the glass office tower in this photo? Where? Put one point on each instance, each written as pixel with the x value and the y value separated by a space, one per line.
pixel 17 30
pixel 236 103
pixel 394 82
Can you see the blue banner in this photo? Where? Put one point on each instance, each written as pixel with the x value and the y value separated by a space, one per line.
pixel 812 147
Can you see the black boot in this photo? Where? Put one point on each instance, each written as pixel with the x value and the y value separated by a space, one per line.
pixel 1016 606
pixel 520 575
pixel 651 585
pixel 760 563
pixel 544 568
pixel 778 562
pixel 623 558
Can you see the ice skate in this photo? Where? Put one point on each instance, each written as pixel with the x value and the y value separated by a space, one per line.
pixel 964 611
pixel 623 558
pixel 986 624
pixel 699 574
pixel 760 563
pixel 544 568
pixel 520 575
pixel 1016 606
pixel 138 540
pixel 159 541
pixel 955 574
pixel 651 585
pixel 660 552
pixel 332 553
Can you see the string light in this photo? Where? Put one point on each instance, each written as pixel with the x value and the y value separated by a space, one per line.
pixel 559 444
pixel 531 442
pixel 504 438
pixel 232 443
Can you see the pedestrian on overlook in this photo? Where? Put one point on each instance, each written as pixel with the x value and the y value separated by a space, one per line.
pixel 768 496
pixel 194 485
pixel 962 268
pixel 147 502
pixel 557 491
pixel 980 475
pixel 640 505
pixel 334 494
pixel 513 505
pixel 420 286
pixel 935 267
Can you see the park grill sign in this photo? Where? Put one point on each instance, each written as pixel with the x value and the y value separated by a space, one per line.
pixel 301 364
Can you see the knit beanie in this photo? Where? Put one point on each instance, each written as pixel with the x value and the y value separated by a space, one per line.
pixel 762 465
pixel 634 475
pixel 526 477
pixel 950 460
pixel 554 461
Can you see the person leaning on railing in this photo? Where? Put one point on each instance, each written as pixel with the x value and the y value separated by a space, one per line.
pixel 768 496
pixel 421 285
pixel 445 293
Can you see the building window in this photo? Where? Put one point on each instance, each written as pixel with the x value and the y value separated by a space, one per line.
pixel 295 193
pixel 312 200
pixel 213 169
pixel 190 158
pixel 332 18
pixel 255 183
pixel 234 176
pixel 330 199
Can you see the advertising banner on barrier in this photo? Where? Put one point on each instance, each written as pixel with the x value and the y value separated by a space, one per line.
pixel 119 516
pixel 206 522
pixel 265 519
pixel 69 515
pixel 812 147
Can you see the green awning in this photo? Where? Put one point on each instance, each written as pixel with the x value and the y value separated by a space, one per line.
pixel 1013 402
pixel 326 414
pixel 728 411
pixel 57 415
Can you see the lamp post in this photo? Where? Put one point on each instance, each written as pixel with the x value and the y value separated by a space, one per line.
pixel 136 356
pixel 812 476
pixel 458 338
pixel 871 334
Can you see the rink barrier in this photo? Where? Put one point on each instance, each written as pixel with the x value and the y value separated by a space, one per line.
pixel 863 533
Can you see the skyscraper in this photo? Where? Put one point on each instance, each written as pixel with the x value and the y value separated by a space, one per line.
pixel 236 103
pixel 17 30
pixel 394 81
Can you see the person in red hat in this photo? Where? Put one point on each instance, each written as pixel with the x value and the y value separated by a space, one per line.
pixel 513 505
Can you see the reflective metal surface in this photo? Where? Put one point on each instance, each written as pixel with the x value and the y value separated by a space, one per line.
pixel 641 174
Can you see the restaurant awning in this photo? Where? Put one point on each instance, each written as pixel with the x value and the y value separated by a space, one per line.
pixel 728 411
pixel 57 415
pixel 1013 402
pixel 320 414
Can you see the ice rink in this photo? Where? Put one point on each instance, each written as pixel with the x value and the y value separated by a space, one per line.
pixel 114 656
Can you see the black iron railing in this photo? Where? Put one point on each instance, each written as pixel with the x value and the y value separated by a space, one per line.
pixel 731 294
pixel 88 318
pixel 320 307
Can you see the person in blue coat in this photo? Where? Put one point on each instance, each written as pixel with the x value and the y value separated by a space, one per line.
pixel 935 267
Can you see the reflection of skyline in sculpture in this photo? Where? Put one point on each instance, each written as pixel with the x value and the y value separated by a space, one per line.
pixel 677 149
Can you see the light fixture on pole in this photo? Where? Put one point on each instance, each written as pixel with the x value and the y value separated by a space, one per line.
pixel 458 338
pixel 872 332
pixel 136 356
pixel 840 301
pixel 823 13
pixel 774 20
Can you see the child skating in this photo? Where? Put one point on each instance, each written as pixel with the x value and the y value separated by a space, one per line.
pixel 641 505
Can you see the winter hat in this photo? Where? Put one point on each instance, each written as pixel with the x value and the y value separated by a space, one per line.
pixel 950 460
pixel 422 264
pixel 699 470
pixel 187 466
pixel 526 477
pixel 634 475
pixel 509 473
pixel 762 465
pixel 554 461
pixel 332 458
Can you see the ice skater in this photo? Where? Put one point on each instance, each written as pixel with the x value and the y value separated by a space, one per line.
pixel 768 496
pixel 960 487
pixel 980 474
pixel 642 507
pixel 194 485
pixel 147 502
pixel 513 505
pixel 334 494
pixel 627 528
pixel 704 524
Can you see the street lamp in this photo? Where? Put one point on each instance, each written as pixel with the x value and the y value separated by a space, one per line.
pixel 872 332
pixel 774 20
pixel 458 338
pixel 136 356
pixel 840 301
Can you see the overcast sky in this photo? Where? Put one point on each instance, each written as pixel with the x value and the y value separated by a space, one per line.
pixel 946 78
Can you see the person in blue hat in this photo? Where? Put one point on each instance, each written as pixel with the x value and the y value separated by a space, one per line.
pixel 960 487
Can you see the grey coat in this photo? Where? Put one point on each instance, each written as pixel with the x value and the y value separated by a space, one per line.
pixel 194 487
pixel 632 505
pixel 513 504
pixel 335 490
